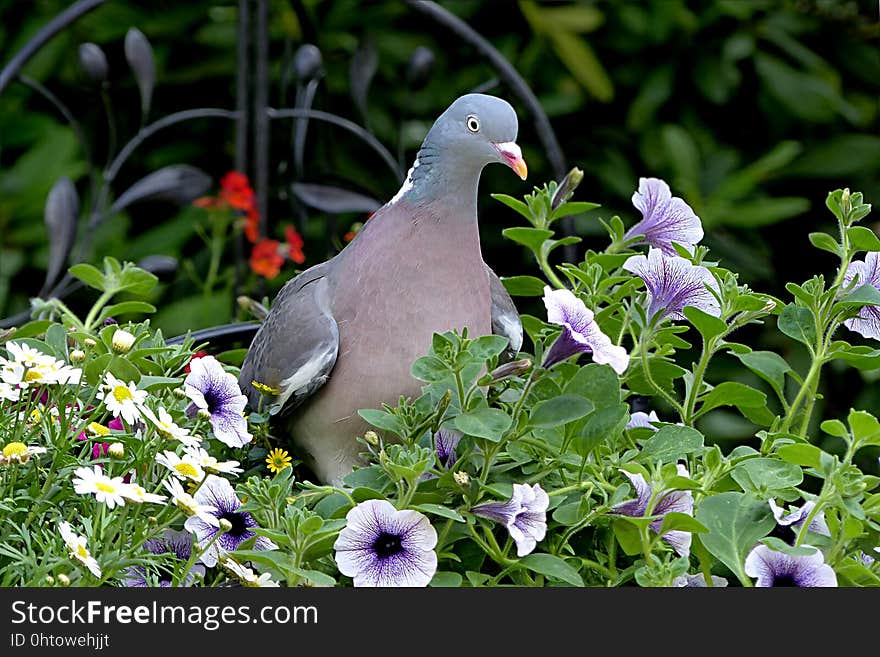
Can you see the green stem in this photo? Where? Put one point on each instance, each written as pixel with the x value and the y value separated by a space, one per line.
pixel 643 352
pixel 697 382
pixel 806 388
pixel 96 309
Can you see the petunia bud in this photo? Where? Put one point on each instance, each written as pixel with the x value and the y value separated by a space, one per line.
pixel 77 356
pixel 371 437
pixel 769 306
pixel 110 321
pixel 566 187
pixel 513 368
pixel 225 525
pixel 252 306
pixel 116 451
pixel 63 579
pixel 93 61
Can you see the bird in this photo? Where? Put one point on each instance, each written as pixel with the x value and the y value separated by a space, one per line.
pixel 343 334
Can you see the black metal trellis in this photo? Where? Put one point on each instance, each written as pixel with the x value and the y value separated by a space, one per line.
pixel 253 116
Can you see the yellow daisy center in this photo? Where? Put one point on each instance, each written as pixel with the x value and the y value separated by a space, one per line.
pixel 36 415
pixel 187 470
pixel 33 375
pixel 14 449
pixel 82 552
pixel 105 488
pixel 98 429
pixel 122 394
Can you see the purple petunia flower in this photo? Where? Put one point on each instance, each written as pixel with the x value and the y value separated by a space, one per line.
pixel 580 334
pixel 698 581
pixel 218 493
pixel 665 218
pixel 446 442
pixel 772 568
pixel 381 546
pixel 213 389
pixel 178 543
pixel 674 283
pixel 680 501
pixel 867 323
pixel 797 516
pixel 641 419
pixel 524 514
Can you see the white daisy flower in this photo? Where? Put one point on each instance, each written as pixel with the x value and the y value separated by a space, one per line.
pixel 187 503
pixel 166 427
pixel 108 490
pixel 8 392
pixel 122 399
pixel 16 452
pixel 247 576
pixel 76 545
pixel 211 464
pixel 182 468
pixel 136 493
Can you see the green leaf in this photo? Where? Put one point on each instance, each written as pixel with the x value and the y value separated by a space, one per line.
pixel 865 427
pixel 825 242
pixel 551 566
pixel 446 580
pixel 136 281
pixel 126 307
pixel 708 325
pixel 488 423
pixel 581 61
pixel 523 286
pixel 89 275
pixel 800 454
pixel 797 323
pixel 487 346
pixel 438 510
pixel 627 534
pixel 779 545
pixel 572 207
pixel 31 329
pixel 835 428
pixel 731 393
pixel 865 295
pixel 762 476
pixel 672 443
pixel 769 366
pixel 158 382
pixel 863 239
pixel 532 238
pixel 559 410
pixel 430 369
pixel 682 522
pixel 514 204
pixel 602 426
pixel 599 384
pixel 383 420
pixel 315 577
pixel 122 369
pixel 735 523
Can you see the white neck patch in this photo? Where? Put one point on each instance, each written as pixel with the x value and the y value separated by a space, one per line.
pixel 407 184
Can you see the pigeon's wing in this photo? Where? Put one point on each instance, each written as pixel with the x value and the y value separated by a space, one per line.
pixel 505 317
pixel 292 354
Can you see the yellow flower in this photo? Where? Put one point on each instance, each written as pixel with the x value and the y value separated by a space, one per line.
pixel 264 389
pixel 277 460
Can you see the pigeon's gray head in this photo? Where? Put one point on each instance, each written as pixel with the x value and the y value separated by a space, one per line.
pixel 474 131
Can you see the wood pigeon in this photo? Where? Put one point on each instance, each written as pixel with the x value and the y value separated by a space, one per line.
pixel 342 335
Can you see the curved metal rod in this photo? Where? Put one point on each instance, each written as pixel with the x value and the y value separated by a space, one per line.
pixel 225 333
pixel 351 126
pixel 62 20
pixel 165 122
pixel 506 72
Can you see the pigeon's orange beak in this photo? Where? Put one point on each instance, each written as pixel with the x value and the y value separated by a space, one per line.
pixel 512 156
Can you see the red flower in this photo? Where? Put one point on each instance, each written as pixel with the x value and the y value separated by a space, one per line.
pixel 266 260
pixel 252 226
pixel 295 244
pixel 236 190
pixel 201 353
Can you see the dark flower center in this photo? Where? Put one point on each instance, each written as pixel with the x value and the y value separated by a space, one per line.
pixel 784 580
pixel 212 399
pixel 387 545
pixel 238 522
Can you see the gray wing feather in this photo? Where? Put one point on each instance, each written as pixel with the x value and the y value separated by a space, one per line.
pixel 295 349
pixel 505 316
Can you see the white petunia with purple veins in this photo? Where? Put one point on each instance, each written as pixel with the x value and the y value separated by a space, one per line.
pixel 867 323
pixel 772 568
pixel 673 283
pixel 213 389
pixel 665 218
pixel 640 419
pixel 218 495
pixel 177 543
pixel 383 547
pixel 698 581
pixel 796 517
pixel 680 501
pixel 580 333
pixel 524 515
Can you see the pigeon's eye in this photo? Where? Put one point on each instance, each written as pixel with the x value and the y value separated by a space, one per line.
pixel 473 123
